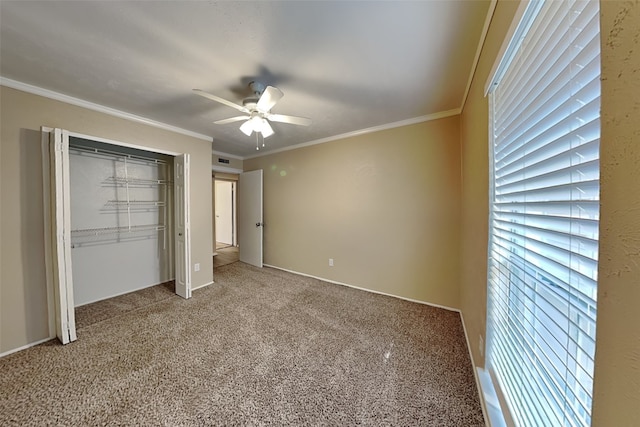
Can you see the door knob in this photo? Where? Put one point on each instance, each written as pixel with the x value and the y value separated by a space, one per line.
pixel 259 224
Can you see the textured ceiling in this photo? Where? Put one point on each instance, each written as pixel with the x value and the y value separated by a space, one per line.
pixel 347 65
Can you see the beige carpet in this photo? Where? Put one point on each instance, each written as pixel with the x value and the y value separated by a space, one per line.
pixel 259 347
pixel 97 312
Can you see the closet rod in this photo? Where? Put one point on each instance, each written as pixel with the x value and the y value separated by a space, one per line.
pixel 102 151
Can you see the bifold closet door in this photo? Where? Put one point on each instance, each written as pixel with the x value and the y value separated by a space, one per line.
pixel 182 225
pixel 61 235
pixel 58 210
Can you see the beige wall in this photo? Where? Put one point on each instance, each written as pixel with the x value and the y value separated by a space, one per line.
pixel 233 163
pixel 617 367
pixel 617 364
pixel 23 295
pixel 384 206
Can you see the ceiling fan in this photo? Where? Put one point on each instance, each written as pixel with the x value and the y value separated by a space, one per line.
pixel 257 109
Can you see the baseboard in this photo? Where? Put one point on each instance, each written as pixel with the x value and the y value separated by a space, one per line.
pixel 24 347
pixel 364 289
pixel 202 286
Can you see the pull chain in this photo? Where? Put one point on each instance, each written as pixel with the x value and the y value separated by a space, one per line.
pixel 258 140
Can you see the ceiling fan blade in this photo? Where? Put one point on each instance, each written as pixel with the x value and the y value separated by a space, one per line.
pixel 267 131
pixel 268 99
pixel 293 120
pixel 231 120
pixel 221 100
pixel 247 128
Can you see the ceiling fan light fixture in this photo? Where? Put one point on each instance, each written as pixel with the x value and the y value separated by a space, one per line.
pixel 257 123
pixel 247 128
pixel 266 130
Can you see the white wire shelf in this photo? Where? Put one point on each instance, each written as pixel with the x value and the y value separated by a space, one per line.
pixel 135 203
pixel 135 182
pixel 94 232
pixel 114 155
pixel 153 193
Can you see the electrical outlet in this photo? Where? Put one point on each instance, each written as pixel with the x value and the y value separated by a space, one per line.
pixel 330 262
pixel 481 345
pixel 196 267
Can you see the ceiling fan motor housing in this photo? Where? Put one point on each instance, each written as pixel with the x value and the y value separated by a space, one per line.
pixel 251 103
pixel 257 88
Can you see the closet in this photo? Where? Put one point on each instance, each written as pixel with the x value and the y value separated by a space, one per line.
pixel 118 221
pixel 121 202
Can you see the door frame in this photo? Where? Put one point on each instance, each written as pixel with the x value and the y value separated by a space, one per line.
pixel 60 295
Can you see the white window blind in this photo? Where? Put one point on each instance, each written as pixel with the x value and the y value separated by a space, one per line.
pixel 545 131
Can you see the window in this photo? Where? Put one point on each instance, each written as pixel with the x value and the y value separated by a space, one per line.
pixel 543 244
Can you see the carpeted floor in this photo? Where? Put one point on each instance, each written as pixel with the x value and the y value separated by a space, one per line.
pixel 117 306
pixel 259 347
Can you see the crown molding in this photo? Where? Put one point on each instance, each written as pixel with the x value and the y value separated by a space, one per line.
pixel 25 87
pixel 393 125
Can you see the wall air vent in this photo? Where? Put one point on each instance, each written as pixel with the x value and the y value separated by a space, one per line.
pixel 221 160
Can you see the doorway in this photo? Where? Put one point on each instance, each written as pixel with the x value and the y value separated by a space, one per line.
pixel 225 213
pixel 225 220
pixel 247 216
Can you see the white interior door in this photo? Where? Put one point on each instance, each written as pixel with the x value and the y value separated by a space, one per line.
pixel 250 220
pixel 182 226
pixel 224 212
pixel 61 235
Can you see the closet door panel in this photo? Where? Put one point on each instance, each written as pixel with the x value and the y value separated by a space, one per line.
pixel 61 236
